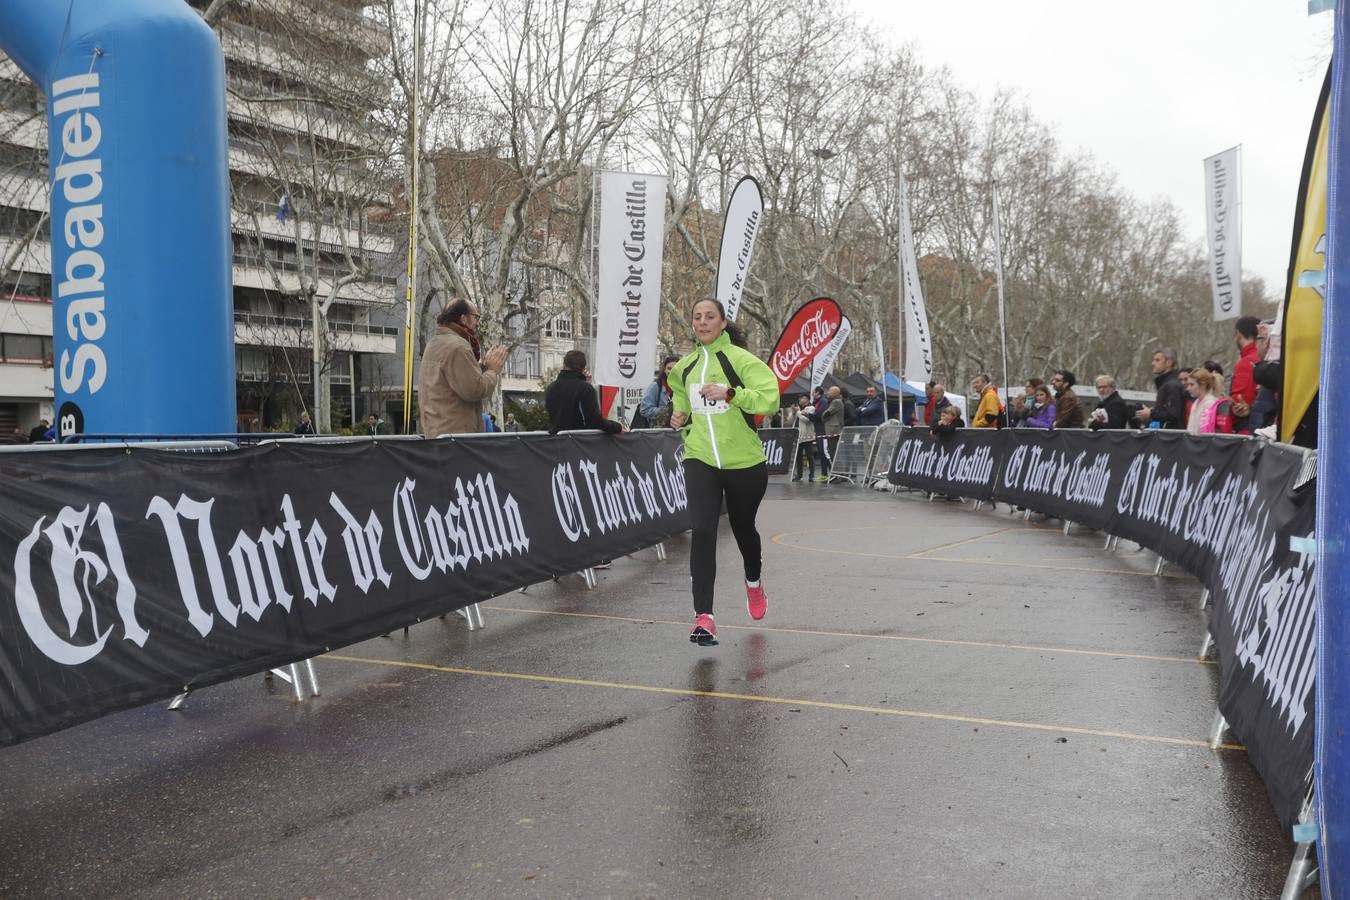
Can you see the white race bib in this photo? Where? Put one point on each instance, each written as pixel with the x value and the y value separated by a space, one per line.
pixel 702 406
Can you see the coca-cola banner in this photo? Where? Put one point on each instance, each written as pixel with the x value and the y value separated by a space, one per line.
pixel 128 576
pixel 1230 511
pixel 745 211
pixel 780 446
pixel 807 333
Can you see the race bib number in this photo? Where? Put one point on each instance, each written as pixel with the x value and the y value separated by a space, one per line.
pixel 702 406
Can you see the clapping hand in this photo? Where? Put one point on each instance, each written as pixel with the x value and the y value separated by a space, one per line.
pixel 495 358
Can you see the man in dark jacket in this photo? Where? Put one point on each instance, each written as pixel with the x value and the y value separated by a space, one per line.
pixel 571 401
pixel 1068 411
pixel 936 401
pixel 873 410
pixel 1169 408
pixel 1112 411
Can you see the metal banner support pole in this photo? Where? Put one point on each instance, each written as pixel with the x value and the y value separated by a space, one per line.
pixel 1217 730
pixel 313 677
pixel 472 615
pixel 1303 869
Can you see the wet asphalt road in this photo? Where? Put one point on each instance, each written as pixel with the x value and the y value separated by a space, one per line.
pixel 942 702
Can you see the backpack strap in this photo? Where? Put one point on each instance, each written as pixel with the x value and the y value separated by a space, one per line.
pixel 735 381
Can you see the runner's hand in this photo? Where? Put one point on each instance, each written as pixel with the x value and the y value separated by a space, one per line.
pixel 713 392
pixel 677 419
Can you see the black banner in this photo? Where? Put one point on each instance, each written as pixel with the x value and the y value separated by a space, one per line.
pixel 780 446
pixel 137 574
pixel 1223 509
pixel 940 463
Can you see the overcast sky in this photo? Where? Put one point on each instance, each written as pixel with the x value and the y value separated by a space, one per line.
pixel 1149 88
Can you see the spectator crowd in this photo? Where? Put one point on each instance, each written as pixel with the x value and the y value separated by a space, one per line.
pixel 1199 399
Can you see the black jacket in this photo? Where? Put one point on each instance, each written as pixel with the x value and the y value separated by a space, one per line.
pixel 938 428
pixel 572 404
pixel 1170 407
pixel 1117 412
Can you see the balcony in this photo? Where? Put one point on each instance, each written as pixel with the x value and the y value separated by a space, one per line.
pixel 376 238
pixel 333 20
pixel 319 270
pixel 263 330
pixel 305 119
pixel 26 381
pixel 35 259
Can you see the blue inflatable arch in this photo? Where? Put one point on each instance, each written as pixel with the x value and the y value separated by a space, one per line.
pixel 142 323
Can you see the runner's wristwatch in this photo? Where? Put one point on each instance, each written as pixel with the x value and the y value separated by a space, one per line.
pixel 731 392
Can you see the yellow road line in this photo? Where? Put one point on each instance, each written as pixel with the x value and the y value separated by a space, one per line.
pixel 970 540
pixel 1021 565
pixel 858 634
pixel 921 555
pixel 784 534
pixel 813 704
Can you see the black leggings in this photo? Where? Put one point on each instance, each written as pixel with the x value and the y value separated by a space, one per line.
pixel 706 487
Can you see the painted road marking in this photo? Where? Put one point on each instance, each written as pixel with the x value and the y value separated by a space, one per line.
pixel 858 634
pixel 787 701
pixel 922 555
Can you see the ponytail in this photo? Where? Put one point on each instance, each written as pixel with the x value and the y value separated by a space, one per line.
pixel 735 335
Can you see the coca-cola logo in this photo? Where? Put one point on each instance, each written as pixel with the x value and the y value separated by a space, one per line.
pixel 807 333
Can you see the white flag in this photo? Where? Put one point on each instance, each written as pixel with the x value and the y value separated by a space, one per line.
pixel 998 272
pixel 628 294
pixel 918 342
pixel 1223 217
pixel 745 211
pixel 825 361
pixel 881 352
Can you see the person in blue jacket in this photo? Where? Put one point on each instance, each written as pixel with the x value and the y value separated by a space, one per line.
pixel 873 409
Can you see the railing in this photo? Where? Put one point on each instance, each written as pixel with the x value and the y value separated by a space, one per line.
pixel 284 265
pixel 295 322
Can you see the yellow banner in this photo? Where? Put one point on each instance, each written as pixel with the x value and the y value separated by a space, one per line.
pixel 1301 340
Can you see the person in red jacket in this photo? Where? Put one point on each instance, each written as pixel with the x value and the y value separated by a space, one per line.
pixel 1243 392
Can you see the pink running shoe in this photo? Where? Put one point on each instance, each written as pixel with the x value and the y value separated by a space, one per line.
pixel 705 631
pixel 755 602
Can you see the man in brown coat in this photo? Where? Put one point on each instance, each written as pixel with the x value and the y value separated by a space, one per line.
pixel 1068 411
pixel 452 383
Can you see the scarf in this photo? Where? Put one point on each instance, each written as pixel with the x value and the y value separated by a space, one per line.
pixel 470 336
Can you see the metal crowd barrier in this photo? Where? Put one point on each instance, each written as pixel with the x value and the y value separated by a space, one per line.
pixel 853 453
pixel 883 454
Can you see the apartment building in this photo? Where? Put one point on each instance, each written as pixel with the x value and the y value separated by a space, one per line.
pixel 302 141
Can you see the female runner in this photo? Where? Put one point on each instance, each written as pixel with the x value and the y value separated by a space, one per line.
pixel 717 391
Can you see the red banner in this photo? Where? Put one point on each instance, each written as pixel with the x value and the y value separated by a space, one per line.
pixel 808 332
